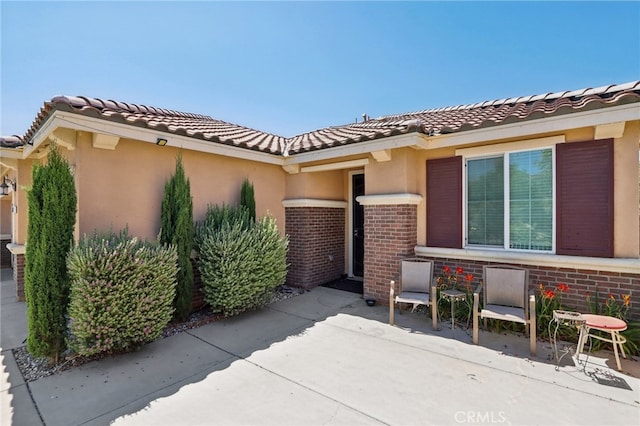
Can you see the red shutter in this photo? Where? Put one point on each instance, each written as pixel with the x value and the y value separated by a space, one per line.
pixel 444 202
pixel 584 207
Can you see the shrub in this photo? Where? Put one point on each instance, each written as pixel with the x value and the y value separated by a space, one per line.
pixel 122 291
pixel 241 263
pixel 247 199
pixel 176 228
pixel 52 215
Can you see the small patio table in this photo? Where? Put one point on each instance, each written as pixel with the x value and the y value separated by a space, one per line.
pixel 566 318
pixel 453 296
pixel 605 324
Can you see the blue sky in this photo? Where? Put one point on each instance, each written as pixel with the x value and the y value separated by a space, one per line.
pixel 292 67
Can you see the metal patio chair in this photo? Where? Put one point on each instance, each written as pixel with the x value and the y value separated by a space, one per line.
pixel 416 287
pixel 506 298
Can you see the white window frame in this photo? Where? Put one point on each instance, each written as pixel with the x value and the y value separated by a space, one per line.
pixel 503 150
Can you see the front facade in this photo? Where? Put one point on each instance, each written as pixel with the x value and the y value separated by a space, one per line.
pixel 547 182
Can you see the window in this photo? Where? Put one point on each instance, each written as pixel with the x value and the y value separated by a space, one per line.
pixel 509 200
pixel 545 197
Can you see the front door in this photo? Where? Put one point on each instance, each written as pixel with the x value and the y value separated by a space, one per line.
pixel 357 219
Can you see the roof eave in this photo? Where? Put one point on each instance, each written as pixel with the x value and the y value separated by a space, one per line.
pixel 82 122
pixel 555 123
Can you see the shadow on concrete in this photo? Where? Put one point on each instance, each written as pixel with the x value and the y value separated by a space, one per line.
pixel 323 356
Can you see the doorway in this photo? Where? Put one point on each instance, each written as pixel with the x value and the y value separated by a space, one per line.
pixel 357 225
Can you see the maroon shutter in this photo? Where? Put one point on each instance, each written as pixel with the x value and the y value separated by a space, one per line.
pixel 444 202
pixel 584 208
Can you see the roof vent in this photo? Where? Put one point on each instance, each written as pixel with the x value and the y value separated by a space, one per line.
pixel 365 117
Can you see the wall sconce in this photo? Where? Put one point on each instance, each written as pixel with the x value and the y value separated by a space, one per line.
pixel 6 185
pixel 161 142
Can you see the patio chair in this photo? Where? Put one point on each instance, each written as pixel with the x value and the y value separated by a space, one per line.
pixel 505 298
pixel 416 287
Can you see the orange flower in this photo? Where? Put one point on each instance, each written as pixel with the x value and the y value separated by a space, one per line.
pixel 541 287
pixel 469 277
pixel 627 299
pixel 446 269
pixel 459 270
pixel 611 296
pixel 563 287
pixel 549 294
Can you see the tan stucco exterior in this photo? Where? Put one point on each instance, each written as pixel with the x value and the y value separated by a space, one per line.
pixel 124 187
pixel 328 185
pixel 5 216
pixel 626 231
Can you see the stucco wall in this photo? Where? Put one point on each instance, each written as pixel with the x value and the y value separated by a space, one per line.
pixel 317 185
pixel 5 215
pixel 124 187
pixel 625 160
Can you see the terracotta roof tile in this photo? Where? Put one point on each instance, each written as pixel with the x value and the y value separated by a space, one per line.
pixel 180 123
pixel 430 121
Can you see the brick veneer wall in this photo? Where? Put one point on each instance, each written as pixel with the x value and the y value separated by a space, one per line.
pixel 389 236
pixel 18 275
pixel 580 281
pixel 316 245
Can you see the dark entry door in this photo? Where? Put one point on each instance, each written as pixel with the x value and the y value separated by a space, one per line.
pixel 357 189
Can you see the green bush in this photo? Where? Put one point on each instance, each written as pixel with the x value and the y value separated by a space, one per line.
pixel 52 215
pixel 177 228
pixel 241 262
pixel 247 199
pixel 217 216
pixel 122 290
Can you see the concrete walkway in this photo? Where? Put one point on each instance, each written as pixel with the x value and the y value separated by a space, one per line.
pixel 320 358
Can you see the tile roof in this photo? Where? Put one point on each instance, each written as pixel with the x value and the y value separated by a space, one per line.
pixel 179 123
pixel 469 117
pixel 431 121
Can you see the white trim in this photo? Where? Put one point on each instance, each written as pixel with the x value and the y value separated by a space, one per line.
pixel 382 155
pixel 628 112
pixel 496 152
pixel 129 131
pixel 366 147
pixel 560 123
pixel 312 202
pixel 335 166
pixel 292 169
pixel 623 265
pixel 389 199
pixel 610 130
pixel 522 145
pixel 101 141
pixel 12 153
pixel 17 248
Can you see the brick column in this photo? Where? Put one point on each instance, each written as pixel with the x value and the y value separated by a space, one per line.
pixel 18 275
pixel 390 234
pixel 316 230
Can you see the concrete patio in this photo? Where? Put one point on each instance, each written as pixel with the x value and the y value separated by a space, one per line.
pixel 323 357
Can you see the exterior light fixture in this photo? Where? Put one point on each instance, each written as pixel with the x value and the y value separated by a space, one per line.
pixel 6 185
pixel 161 142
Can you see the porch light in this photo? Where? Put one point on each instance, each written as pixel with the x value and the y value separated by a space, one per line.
pixel 161 142
pixel 6 185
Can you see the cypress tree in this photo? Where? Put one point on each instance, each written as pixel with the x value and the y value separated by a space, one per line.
pixel 176 227
pixel 52 214
pixel 247 199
